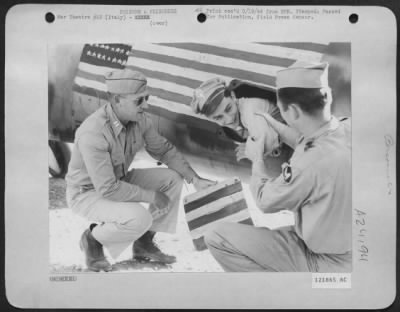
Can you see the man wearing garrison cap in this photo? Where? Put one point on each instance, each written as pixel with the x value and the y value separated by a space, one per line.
pixel 101 189
pixel 315 185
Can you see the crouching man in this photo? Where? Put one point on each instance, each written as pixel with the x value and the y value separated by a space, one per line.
pixel 316 186
pixel 101 189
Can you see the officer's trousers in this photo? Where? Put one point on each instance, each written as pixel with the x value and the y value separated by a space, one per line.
pixel 246 248
pixel 121 223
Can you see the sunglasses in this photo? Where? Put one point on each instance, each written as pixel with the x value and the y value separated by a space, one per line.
pixel 139 101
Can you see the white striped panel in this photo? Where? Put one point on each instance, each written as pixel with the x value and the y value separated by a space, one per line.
pixel 237 217
pixel 173 69
pixel 214 206
pixel 151 82
pixel 163 67
pixel 180 71
pixel 272 50
pixel 209 59
pixel 169 86
pixel 159 66
pixel 175 107
pixel 194 196
pixel 90 83
pixel 93 69
pixel 155 83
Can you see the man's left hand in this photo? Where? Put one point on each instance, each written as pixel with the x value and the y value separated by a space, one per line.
pixel 200 183
pixel 255 148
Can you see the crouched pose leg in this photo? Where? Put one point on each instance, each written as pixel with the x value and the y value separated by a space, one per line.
pixel 116 225
pixel 246 248
pixel 170 183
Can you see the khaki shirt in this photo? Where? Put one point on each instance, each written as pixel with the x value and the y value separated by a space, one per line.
pixel 316 186
pixel 104 150
pixel 255 124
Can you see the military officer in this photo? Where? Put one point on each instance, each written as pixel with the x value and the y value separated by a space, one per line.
pixel 101 189
pixel 315 186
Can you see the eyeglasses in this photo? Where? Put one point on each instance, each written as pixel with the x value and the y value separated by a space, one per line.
pixel 139 101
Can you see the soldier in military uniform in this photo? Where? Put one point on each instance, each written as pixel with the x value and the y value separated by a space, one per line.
pixel 101 189
pixel 315 186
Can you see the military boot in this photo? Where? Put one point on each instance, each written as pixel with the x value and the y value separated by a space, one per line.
pixel 94 255
pixel 144 248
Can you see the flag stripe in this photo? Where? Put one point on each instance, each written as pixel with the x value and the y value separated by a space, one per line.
pixel 98 82
pixel 175 69
pixel 90 91
pixel 170 96
pixel 167 76
pixel 90 76
pixel 228 190
pixel 230 53
pixel 184 72
pixel 95 70
pixel 217 70
pixel 214 206
pixel 90 84
pixel 275 51
pixel 189 73
pixel 175 107
pixel 237 218
pixel 171 87
pixel 215 216
pixel 212 59
pixel 307 46
pixel 213 188
pixel 166 89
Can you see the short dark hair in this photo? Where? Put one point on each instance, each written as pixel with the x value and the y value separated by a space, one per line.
pixel 310 100
pixel 250 90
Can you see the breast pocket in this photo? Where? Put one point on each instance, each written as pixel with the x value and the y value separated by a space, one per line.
pixel 118 161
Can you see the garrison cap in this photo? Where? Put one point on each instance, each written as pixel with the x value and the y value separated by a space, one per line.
pixel 303 75
pixel 126 81
pixel 208 92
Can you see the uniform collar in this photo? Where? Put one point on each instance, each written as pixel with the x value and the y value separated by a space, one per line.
pixel 115 123
pixel 329 126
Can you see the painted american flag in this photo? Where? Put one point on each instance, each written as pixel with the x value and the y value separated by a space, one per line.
pixel 224 201
pixel 174 70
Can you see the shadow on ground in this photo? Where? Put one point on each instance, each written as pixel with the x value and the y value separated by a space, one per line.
pixel 126 265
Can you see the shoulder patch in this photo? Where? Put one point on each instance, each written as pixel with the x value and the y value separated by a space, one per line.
pixel 287 173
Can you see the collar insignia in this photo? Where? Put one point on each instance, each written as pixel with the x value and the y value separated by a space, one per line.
pixel 308 145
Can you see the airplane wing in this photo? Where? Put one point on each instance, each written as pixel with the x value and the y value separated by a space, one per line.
pixel 77 84
pixel 174 70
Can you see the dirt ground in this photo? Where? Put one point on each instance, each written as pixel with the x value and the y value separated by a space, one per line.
pixel 65 229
